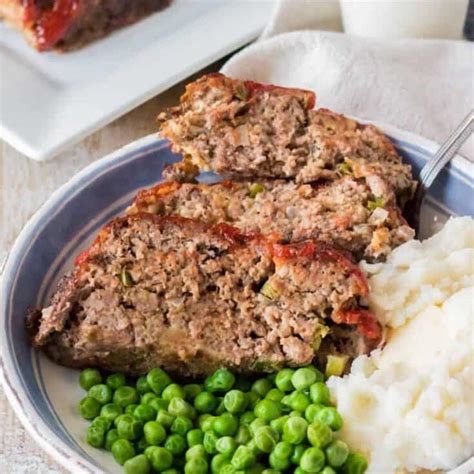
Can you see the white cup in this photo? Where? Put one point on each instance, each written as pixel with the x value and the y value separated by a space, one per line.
pixel 404 18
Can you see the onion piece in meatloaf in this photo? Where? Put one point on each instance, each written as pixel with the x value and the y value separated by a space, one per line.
pixel 360 216
pixel 176 293
pixel 242 129
pixel 69 24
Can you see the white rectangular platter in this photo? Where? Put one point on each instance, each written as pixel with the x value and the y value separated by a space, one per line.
pixel 50 101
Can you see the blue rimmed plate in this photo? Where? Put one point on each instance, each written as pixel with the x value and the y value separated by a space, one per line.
pixel 44 395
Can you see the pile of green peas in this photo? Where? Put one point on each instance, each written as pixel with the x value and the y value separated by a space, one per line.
pixel 280 423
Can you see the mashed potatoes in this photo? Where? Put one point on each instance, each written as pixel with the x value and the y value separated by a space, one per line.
pixel 411 406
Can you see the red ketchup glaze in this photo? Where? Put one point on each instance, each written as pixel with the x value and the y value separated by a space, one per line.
pixel 363 319
pixel 255 87
pixel 81 258
pixel 50 26
pixel 315 251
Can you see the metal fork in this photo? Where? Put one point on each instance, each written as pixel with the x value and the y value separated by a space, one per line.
pixel 431 170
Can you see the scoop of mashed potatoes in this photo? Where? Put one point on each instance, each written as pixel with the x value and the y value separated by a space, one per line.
pixel 410 406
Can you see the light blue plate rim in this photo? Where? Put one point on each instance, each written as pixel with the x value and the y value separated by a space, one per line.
pixel 53 444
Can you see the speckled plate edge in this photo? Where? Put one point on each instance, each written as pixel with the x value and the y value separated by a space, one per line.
pixel 41 433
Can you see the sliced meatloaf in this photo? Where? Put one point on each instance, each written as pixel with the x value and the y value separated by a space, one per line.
pixel 242 129
pixel 177 293
pixel 346 213
pixel 69 24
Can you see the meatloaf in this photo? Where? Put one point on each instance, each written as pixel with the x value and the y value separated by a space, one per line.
pixel 357 215
pixel 242 129
pixel 69 24
pixel 189 297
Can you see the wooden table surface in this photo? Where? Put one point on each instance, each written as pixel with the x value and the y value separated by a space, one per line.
pixel 24 185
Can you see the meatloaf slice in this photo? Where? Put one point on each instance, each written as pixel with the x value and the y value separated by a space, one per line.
pixel 69 24
pixel 242 129
pixel 356 215
pixel 177 293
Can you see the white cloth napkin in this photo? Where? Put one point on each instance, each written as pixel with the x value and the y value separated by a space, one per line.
pixel 423 86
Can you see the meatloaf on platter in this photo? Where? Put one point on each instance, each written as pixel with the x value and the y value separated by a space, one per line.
pixel 189 297
pixel 69 24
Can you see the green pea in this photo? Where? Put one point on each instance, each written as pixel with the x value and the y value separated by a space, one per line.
pixel 147 397
pixel 195 436
pixel 142 385
pixel 158 404
pixel 319 434
pixel 115 381
pixel 283 450
pixel 243 458
pixel 229 469
pixel 129 428
pixel 221 380
pixel 300 470
pixel 225 424
pixel 275 394
pixel 181 425
pixel 257 423
pixel 196 451
pixel 144 413
pixel 294 430
pixel 226 446
pixel 170 471
pixel 129 409
pixel 165 418
pixel 328 470
pixel 217 462
pixel 280 464
pixel 336 453
pixel 253 399
pixel 303 378
pixel 247 418
pixel 266 438
pixel 205 402
pixel 154 432
pixel 192 390
pixel 311 411
pixel 261 387
pixel 175 444
pixel 271 471
pixel 141 445
pixel 196 466
pixel 299 401
pixel 205 422
pixel 102 421
pixel 110 438
pixel 355 464
pixel 243 435
pixel 122 451
pixel 100 392
pixel 283 380
pixel 331 417
pixel 89 377
pixel 158 379
pixel 209 442
pixel 160 458
pixel 111 411
pixel 95 436
pixel 319 393
pixel 180 407
pixel 312 460
pixel 268 410
pixel 173 390
pixel 255 469
pixel 279 423
pixel 235 401
pixel 89 408
pixel 137 465
pixel 253 446
pixel 298 453
pixel 125 395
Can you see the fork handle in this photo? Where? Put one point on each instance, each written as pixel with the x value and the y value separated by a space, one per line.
pixel 447 150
